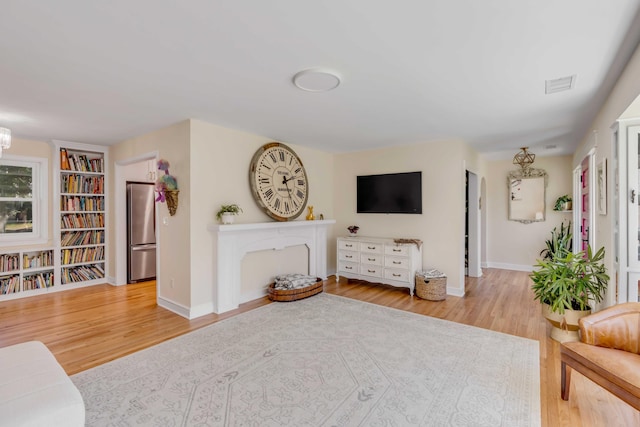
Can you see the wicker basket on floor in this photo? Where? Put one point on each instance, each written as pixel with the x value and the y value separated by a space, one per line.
pixel 431 288
pixel 295 294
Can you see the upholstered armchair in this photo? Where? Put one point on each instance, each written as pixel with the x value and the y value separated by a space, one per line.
pixel 608 352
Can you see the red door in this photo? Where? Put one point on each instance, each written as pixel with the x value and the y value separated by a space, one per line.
pixel 585 203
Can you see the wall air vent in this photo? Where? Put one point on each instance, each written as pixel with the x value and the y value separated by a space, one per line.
pixel 559 85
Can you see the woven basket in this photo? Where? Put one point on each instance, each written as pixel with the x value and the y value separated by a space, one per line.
pixel 431 288
pixel 295 294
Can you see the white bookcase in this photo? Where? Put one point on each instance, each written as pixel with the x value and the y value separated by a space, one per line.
pixel 25 273
pixel 80 213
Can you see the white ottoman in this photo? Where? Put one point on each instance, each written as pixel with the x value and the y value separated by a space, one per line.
pixel 35 390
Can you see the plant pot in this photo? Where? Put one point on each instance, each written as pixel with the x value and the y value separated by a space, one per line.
pixel 171 197
pixel 228 218
pixel 564 327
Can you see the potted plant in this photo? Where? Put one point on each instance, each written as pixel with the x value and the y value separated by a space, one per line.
pixel 227 212
pixel 563 203
pixel 566 284
pixel 559 244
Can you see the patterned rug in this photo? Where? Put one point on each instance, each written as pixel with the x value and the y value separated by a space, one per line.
pixel 322 361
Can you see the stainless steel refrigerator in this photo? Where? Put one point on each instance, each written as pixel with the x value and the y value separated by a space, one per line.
pixel 141 232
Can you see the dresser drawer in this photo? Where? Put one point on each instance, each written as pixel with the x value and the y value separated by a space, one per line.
pixel 371 270
pixel 399 275
pixel 348 256
pixel 349 267
pixel 348 245
pixel 372 259
pixel 374 248
pixel 396 262
pixel 401 250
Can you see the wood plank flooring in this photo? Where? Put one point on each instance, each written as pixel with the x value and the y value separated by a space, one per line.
pixel 90 326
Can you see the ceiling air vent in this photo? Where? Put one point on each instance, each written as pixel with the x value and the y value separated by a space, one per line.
pixel 559 85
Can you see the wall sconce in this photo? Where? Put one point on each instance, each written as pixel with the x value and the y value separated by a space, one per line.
pixel 5 139
pixel 524 158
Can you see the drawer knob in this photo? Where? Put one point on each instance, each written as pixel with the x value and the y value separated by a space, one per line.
pixel 396 262
pixel 396 275
pixel 371 247
pixel 371 259
pixel 348 256
pixel 349 246
pixel 348 268
pixel 371 271
pixel 397 250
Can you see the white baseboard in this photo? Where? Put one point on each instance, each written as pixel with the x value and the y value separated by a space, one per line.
pixel 253 295
pixel 179 309
pixel 504 266
pixel 455 292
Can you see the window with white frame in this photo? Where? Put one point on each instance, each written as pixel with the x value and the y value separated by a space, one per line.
pixel 23 200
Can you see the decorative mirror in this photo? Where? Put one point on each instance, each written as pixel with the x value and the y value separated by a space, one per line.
pixel 527 188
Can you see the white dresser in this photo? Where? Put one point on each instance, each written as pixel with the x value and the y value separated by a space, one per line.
pixel 379 260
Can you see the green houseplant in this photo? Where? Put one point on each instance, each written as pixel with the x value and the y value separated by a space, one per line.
pixel 227 212
pixel 565 284
pixel 559 244
pixel 563 203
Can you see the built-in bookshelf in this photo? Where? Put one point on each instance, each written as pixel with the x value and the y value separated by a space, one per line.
pixel 24 273
pixel 81 172
pixel 79 253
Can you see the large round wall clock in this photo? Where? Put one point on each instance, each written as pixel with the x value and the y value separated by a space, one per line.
pixel 278 181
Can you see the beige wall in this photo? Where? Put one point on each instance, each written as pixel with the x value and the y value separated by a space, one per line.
pixel 599 136
pixel 441 225
pixel 511 244
pixel 220 175
pixel 172 144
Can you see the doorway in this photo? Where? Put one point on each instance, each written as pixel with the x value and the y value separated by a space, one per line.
pixel 472 226
pixel 142 169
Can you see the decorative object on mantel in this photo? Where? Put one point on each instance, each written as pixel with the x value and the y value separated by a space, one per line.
pixel 416 242
pixel 227 212
pixel 278 181
pixel 563 203
pixel 167 187
pixel 353 229
pixel 292 287
pixel 310 215
pixel 431 285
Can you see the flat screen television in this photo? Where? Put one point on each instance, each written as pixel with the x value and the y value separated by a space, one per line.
pixel 393 193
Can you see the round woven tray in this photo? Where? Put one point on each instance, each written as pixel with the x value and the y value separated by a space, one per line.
pixel 295 294
pixel 432 288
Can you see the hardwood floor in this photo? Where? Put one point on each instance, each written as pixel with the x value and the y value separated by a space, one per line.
pixel 90 326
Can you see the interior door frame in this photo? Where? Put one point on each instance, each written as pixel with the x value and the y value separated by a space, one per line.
pixel 577 202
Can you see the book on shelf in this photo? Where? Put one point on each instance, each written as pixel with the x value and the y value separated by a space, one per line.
pixel 64 159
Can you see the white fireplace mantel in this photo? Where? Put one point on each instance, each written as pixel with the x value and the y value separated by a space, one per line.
pixel 233 241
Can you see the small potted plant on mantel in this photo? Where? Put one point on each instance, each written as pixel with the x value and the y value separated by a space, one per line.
pixel 227 212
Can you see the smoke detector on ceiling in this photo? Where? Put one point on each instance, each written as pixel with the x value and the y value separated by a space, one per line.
pixel 559 85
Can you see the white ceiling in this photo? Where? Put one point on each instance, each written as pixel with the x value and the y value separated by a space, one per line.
pixel 412 70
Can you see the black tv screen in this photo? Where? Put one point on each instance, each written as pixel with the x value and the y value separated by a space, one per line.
pixel 398 193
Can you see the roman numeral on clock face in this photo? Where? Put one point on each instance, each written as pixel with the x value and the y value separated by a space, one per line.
pixel 276 204
pixel 268 194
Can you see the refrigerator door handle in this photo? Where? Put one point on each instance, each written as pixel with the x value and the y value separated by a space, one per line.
pixel 143 247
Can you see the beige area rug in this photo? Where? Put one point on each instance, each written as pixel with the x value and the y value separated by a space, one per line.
pixel 322 361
